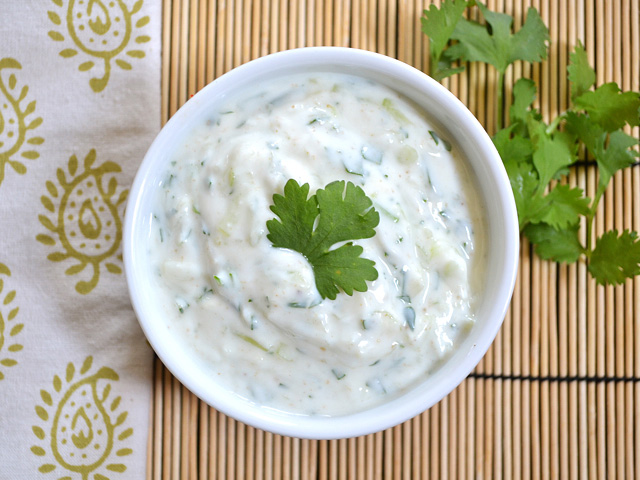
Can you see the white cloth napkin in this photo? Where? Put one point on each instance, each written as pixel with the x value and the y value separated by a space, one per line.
pixel 79 106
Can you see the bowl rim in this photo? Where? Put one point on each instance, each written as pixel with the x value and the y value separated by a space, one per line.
pixel 387 414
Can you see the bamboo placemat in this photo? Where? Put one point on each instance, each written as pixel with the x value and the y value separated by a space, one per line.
pixel 558 393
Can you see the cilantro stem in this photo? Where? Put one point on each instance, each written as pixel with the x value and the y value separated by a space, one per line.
pixel 587 249
pixel 553 126
pixel 500 100
pixel 590 217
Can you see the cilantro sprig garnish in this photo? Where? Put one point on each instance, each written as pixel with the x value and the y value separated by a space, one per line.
pixel 439 24
pixel 491 43
pixel 313 225
pixel 537 155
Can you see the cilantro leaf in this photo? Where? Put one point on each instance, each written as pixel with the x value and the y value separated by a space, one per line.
pixel 495 44
pixel 344 215
pixel 525 185
pixel 615 258
pixel 524 94
pixel 581 75
pixel 609 107
pixel 588 132
pixel 516 152
pixel 551 153
pixel 438 24
pixel 612 151
pixel 297 214
pixel 312 226
pixel 617 155
pixel 565 205
pixel 530 43
pixel 513 149
pixel 344 268
pixel 560 208
pixel 552 244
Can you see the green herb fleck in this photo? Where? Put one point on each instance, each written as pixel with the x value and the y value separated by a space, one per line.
pixel 339 374
pixel 205 291
pixel 437 140
pixel 182 305
pixel 253 342
pixel 400 117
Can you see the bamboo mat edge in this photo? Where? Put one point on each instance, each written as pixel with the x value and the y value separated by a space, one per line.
pixel 558 394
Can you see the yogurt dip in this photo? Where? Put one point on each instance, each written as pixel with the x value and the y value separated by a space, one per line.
pixel 252 310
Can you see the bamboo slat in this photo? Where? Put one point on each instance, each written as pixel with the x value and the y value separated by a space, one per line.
pixel 558 393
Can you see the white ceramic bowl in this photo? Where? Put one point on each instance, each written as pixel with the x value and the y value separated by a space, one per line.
pixel 452 118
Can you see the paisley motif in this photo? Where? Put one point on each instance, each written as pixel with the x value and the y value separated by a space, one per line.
pixel 9 328
pixel 82 429
pixel 16 121
pixel 99 31
pixel 86 218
